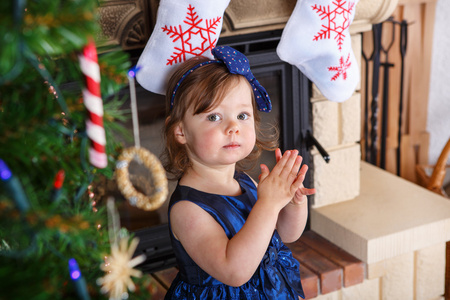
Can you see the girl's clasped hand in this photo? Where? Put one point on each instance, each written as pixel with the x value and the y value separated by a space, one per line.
pixel 284 184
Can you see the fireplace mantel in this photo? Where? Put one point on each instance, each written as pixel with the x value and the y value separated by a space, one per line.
pixel 260 15
pixel 129 23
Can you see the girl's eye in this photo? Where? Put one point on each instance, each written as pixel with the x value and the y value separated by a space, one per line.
pixel 213 117
pixel 243 116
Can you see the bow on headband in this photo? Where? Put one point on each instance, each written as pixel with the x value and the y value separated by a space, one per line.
pixel 237 63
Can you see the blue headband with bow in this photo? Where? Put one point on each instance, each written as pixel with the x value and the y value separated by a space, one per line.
pixel 237 63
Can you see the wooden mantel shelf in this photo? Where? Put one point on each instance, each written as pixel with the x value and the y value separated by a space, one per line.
pixel 391 216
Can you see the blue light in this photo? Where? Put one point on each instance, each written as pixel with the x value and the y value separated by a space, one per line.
pixel 75 275
pixel 5 173
pixel 133 71
pixel 74 269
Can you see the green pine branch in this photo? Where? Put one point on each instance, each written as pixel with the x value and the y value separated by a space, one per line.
pixel 42 131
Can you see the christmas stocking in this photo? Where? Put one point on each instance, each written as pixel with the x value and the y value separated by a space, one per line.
pixel 317 41
pixel 183 29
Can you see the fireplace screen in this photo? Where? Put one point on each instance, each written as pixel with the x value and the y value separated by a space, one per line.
pixel 289 92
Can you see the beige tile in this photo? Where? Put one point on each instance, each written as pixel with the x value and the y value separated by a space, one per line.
pixel 350 120
pixel 368 290
pixel 398 282
pixel 430 272
pixel 325 123
pixel 339 179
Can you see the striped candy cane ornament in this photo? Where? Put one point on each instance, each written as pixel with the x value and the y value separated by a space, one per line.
pixel 94 105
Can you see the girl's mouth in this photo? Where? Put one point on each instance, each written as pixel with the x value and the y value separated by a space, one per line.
pixel 232 146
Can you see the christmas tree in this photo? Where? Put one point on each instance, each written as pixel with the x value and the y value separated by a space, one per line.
pixel 54 228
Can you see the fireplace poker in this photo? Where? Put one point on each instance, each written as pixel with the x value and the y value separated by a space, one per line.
pixel 366 104
pixel 384 116
pixel 377 31
pixel 403 44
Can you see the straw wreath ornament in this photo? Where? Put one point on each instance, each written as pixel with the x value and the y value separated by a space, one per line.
pixel 143 156
pixel 157 172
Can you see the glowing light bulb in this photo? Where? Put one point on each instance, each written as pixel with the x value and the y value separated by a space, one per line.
pixel 132 72
pixel 78 280
pixel 74 269
pixel 5 172
pixel 13 187
pixel 59 179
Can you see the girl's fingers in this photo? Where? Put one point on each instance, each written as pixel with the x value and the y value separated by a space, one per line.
pixel 300 178
pixel 279 167
pixel 289 166
pixel 304 192
pixel 289 170
pixel 278 154
pixel 307 192
pixel 298 163
pixel 264 172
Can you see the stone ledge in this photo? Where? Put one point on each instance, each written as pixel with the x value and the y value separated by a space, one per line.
pixel 390 217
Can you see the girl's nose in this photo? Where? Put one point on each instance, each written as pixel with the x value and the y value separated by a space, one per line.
pixel 232 127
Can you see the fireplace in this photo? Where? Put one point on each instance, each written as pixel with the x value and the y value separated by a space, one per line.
pixel 405 248
pixel 289 90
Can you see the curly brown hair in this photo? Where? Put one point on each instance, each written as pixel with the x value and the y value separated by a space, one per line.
pixel 204 89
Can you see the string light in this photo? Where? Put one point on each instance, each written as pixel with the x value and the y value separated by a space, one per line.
pixel 13 187
pixel 5 173
pixel 59 179
pixel 132 72
pixel 91 196
pixel 74 270
pixel 57 185
pixel 78 280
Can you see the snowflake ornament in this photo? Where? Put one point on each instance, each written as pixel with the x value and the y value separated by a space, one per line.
pixel 194 38
pixel 337 20
pixel 119 268
pixel 341 69
pixel 183 29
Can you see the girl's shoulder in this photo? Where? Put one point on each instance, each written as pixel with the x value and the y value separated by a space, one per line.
pixel 245 179
pixel 180 193
pixel 190 194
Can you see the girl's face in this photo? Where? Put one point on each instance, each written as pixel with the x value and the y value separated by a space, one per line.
pixel 224 135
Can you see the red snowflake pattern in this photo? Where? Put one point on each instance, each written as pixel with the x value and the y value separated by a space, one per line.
pixel 337 20
pixel 341 69
pixel 196 39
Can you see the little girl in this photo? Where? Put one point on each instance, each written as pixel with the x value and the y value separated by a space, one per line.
pixel 227 232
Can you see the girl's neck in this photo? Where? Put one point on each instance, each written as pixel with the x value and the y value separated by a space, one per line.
pixel 213 181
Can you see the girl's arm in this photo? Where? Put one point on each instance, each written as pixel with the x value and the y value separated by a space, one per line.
pixel 234 261
pixel 292 218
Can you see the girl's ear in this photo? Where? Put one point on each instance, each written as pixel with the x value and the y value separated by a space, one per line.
pixel 179 134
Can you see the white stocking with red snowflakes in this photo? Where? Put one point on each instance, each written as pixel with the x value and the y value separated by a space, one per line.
pixel 316 40
pixel 183 29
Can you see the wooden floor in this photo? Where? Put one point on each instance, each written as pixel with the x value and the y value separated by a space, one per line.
pixel 324 268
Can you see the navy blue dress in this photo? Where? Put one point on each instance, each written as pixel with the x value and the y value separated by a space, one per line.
pixel 278 275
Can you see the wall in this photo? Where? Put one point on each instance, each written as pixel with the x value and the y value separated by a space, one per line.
pixel 438 123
